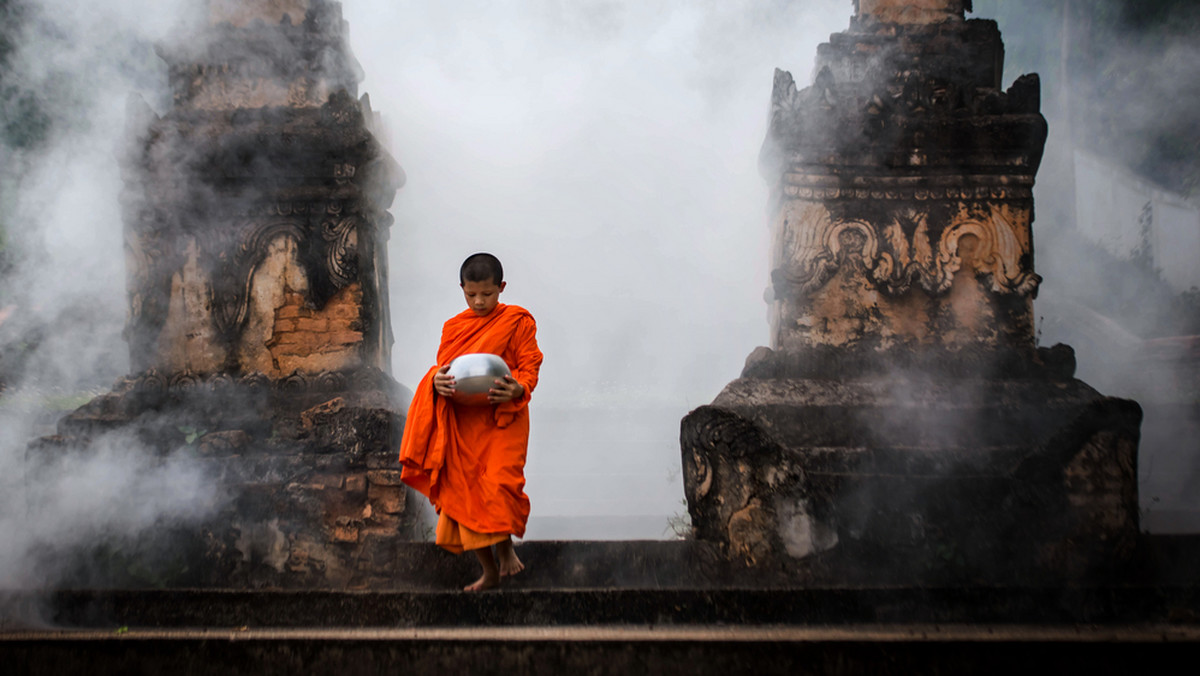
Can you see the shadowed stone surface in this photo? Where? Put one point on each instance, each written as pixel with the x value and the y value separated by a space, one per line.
pixel 633 650
pixel 629 607
pixel 935 479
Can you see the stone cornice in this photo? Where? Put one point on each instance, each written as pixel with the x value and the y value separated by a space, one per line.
pixel 824 187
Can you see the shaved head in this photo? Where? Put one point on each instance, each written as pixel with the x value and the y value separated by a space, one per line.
pixel 481 267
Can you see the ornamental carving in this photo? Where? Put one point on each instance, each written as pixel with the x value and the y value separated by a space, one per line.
pixel 905 253
pixel 186 383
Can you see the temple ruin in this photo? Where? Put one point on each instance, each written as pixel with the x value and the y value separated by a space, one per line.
pixel 258 325
pixel 904 482
pixel 904 421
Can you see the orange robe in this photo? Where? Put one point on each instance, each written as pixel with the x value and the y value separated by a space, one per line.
pixel 470 460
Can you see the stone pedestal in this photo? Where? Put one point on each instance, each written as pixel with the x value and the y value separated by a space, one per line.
pixel 904 425
pixel 915 475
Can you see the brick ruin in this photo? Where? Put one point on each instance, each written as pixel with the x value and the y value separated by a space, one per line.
pixel 258 325
pixel 904 422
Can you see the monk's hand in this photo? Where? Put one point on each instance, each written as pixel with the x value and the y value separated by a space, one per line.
pixel 504 390
pixel 443 382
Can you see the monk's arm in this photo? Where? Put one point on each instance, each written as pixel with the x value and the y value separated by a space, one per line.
pixel 443 382
pixel 528 357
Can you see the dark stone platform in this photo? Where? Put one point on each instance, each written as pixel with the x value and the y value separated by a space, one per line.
pixel 627 650
pixel 514 606
pixel 616 607
pixel 923 477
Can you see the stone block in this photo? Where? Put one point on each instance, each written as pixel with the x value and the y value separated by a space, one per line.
pixel 931 480
pixel 313 324
pixel 384 477
pixel 342 325
pixel 305 358
pixel 291 338
pixel 356 484
pixel 382 523
pixel 382 460
pixel 911 11
pixel 328 480
pixel 344 337
pixel 223 443
pixel 345 529
pixel 321 412
pixel 387 499
pixel 292 312
pixel 284 325
pixel 344 311
pixel 300 561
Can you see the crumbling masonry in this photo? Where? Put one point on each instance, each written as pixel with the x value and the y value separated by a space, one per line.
pixel 258 327
pixel 904 422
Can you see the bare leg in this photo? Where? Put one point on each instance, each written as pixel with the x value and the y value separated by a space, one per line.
pixel 491 574
pixel 509 563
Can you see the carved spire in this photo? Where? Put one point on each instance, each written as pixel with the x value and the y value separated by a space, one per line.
pixel 902 180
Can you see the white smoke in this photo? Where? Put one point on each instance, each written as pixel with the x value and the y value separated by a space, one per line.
pixel 607 152
pixel 64 294
pixel 1096 295
pixel 54 499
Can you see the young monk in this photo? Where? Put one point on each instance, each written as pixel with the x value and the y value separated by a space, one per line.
pixel 470 460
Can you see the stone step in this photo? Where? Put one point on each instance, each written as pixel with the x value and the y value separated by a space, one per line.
pixel 969 414
pixel 986 649
pixel 511 607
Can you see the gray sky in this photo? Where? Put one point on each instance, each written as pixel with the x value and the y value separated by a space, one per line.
pixel 607 152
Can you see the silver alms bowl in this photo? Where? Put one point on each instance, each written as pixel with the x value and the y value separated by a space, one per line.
pixel 475 374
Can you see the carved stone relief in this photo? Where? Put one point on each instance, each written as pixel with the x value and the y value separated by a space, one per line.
pixel 903 252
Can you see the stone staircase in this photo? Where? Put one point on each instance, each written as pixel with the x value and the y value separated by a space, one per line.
pixel 614 607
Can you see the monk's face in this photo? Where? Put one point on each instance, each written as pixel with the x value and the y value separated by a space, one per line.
pixel 482 297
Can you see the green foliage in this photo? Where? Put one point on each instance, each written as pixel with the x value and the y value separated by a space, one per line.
pixel 54 401
pixel 191 434
pixel 679 524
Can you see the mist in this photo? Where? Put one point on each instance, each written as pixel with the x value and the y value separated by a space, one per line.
pixel 67 73
pixel 606 151
pixel 1118 224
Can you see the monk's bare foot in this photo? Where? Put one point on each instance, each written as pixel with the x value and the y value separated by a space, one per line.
pixel 491 573
pixel 485 581
pixel 509 563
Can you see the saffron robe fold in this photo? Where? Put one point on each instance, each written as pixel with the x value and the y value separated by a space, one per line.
pixel 470 460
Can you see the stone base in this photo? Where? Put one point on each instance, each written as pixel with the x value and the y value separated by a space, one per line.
pixel 309 491
pixel 898 477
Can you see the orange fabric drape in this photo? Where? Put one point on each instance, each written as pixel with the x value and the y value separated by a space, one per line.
pixel 455 537
pixel 470 460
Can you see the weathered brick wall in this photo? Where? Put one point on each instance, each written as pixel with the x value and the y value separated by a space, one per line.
pixel 911 11
pixel 313 340
pixel 363 504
